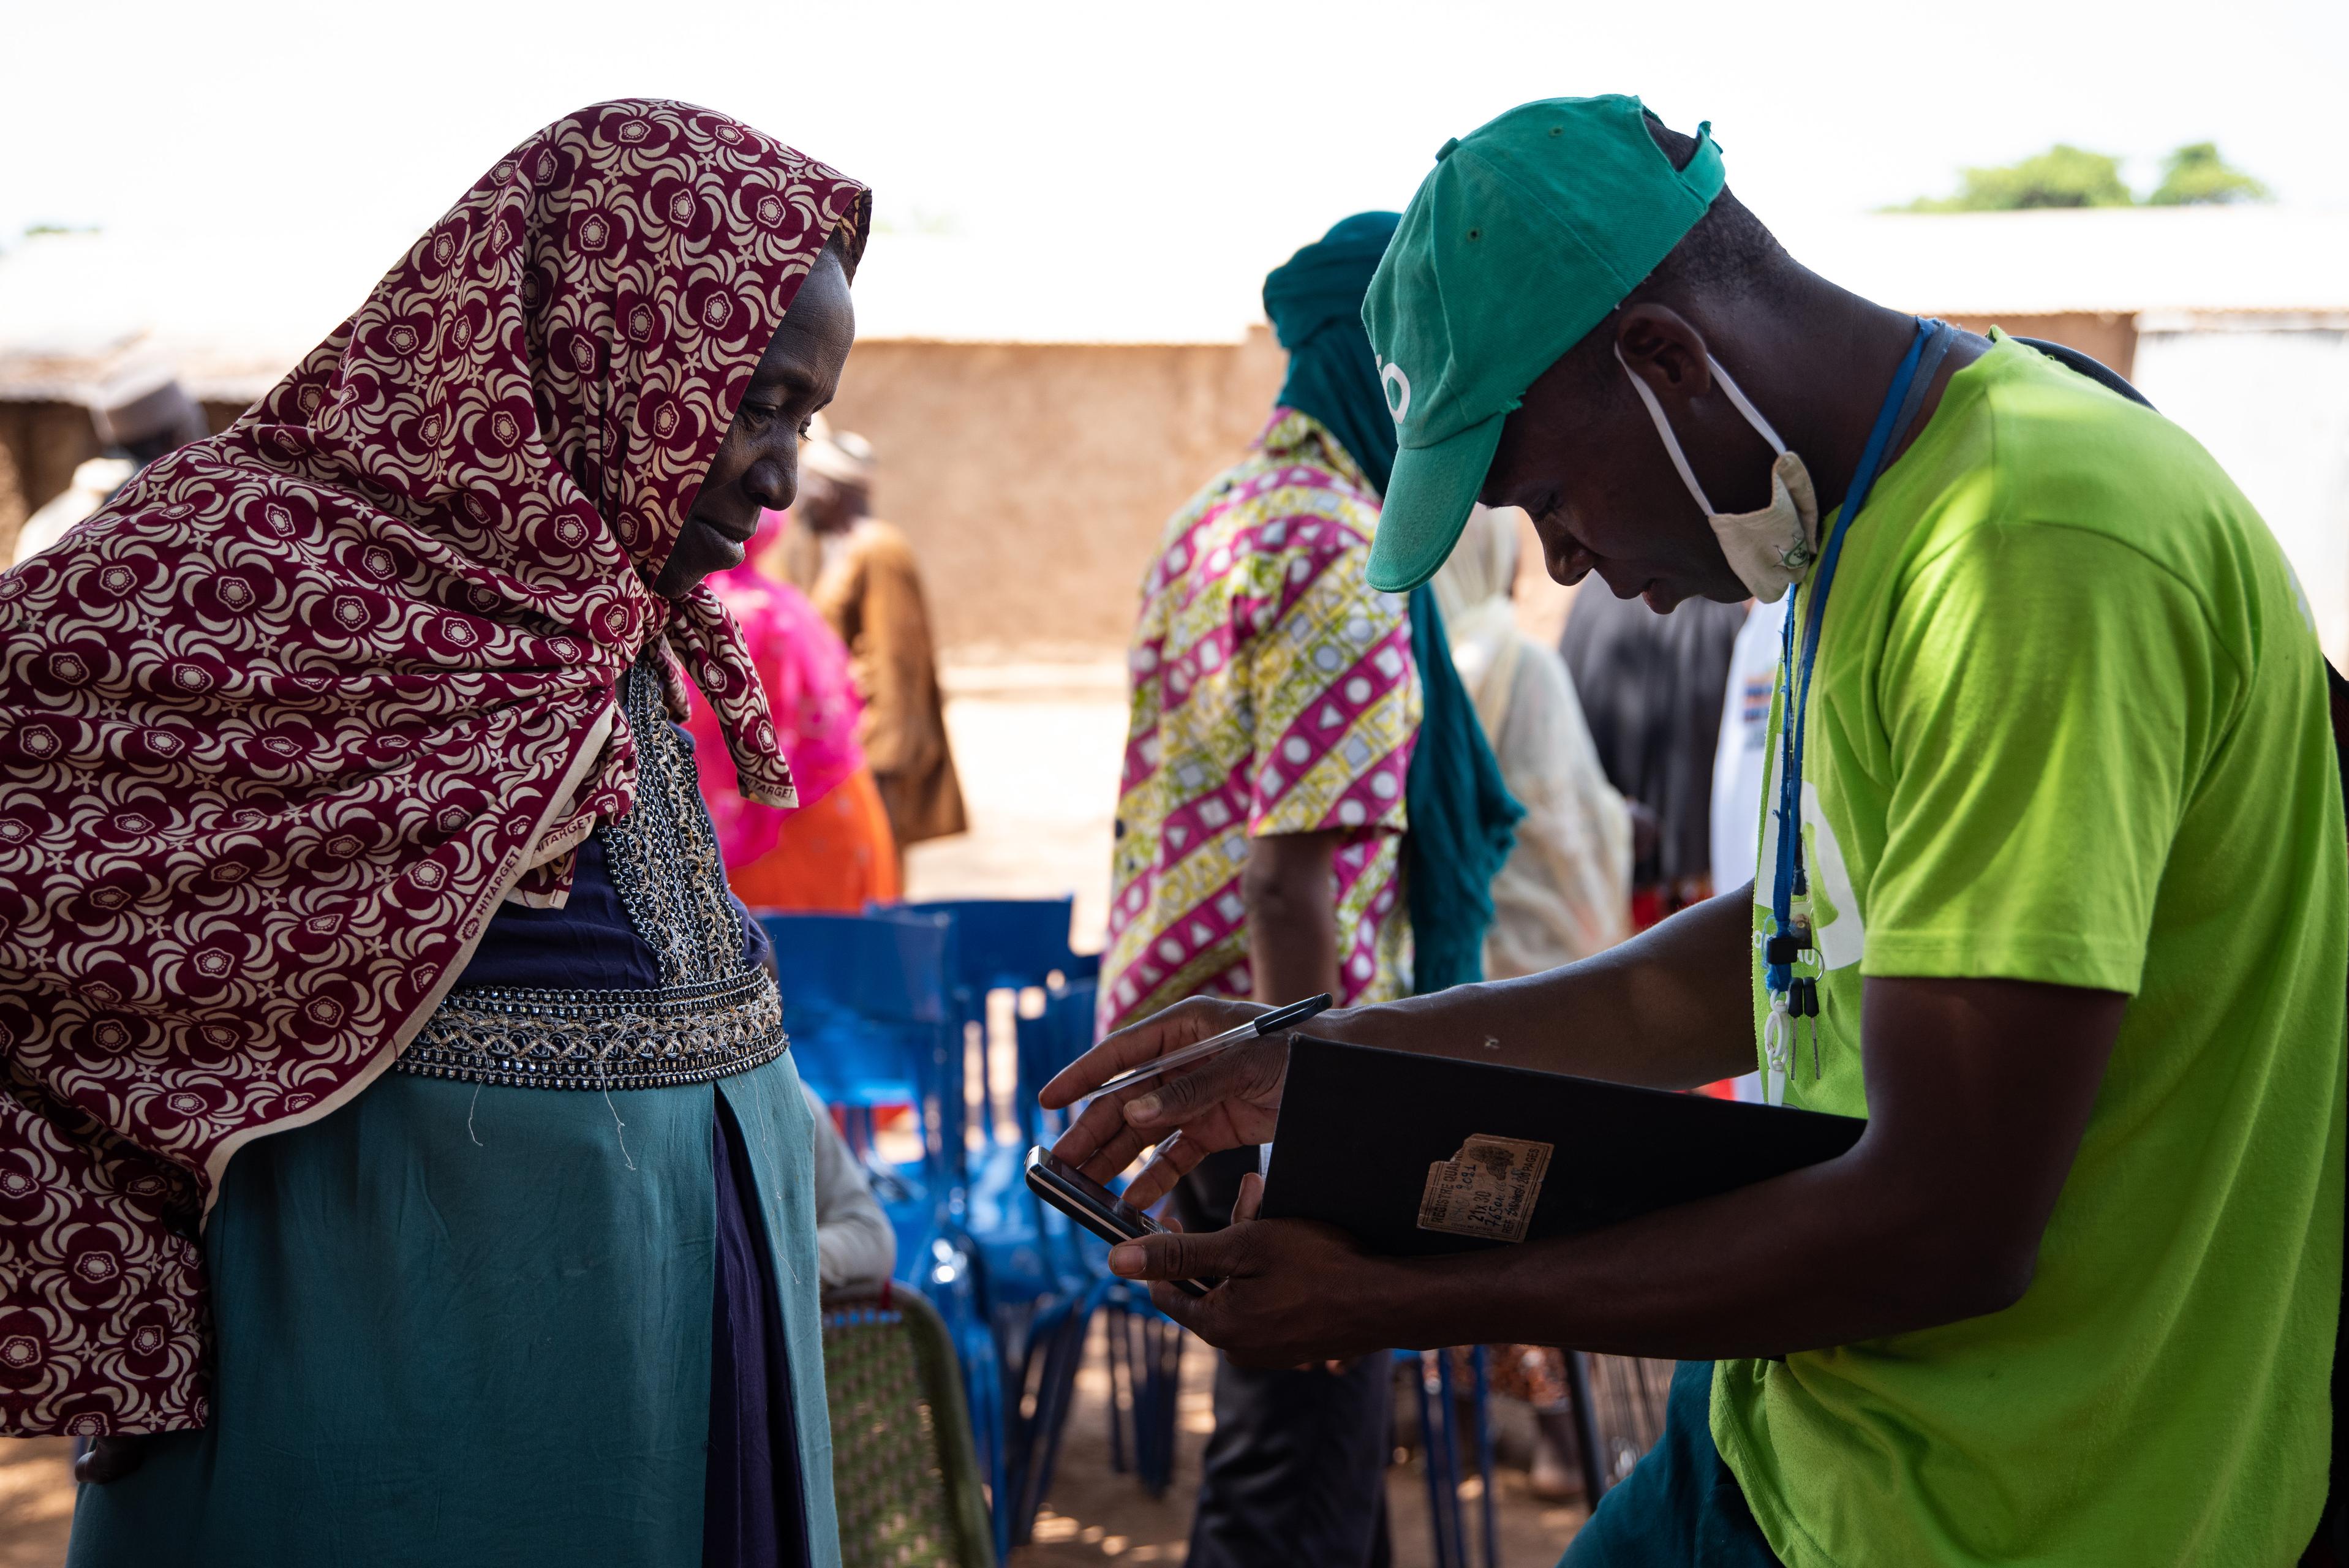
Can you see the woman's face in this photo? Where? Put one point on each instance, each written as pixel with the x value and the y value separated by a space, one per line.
pixel 757 466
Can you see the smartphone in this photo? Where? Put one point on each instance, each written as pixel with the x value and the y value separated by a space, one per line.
pixel 1096 1208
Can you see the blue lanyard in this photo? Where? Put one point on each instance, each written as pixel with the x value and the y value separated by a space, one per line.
pixel 1795 706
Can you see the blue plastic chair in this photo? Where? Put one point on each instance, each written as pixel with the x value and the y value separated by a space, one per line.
pixel 1002 943
pixel 1049 1335
pixel 1044 1276
pixel 871 1006
pixel 1011 1275
pixel 1016 945
pixel 867 1003
pixel 1146 1373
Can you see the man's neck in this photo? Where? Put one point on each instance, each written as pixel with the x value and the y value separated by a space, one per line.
pixel 1818 362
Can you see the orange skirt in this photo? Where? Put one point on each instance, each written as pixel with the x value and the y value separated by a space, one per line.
pixel 833 855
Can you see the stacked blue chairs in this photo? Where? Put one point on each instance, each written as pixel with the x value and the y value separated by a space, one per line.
pixel 1014 945
pixel 1146 1375
pixel 1043 1378
pixel 1002 943
pixel 870 1004
pixel 1145 1350
pixel 881 1009
pixel 1030 1283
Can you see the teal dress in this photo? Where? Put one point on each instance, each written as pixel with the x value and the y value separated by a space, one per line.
pixel 467 1319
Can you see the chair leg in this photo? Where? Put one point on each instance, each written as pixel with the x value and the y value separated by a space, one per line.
pixel 1448 1411
pixel 1485 1468
pixel 1586 1426
pixel 1428 1462
pixel 1163 1347
pixel 1053 1399
pixel 1121 1382
pixel 1172 1404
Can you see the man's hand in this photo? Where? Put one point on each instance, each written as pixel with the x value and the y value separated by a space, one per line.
pixel 1293 1292
pixel 1230 1099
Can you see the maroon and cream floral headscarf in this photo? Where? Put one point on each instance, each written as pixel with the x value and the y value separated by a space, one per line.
pixel 283 723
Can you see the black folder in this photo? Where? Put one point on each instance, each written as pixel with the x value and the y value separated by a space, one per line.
pixel 1522 1155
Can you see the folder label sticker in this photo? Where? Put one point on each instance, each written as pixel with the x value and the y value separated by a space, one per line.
pixel 1488 1189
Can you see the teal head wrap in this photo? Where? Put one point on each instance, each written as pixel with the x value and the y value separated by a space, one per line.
pixel 1314 304
pixel 1462 819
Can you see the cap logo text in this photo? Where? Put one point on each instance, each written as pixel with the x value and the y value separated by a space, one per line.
pixel 1397 388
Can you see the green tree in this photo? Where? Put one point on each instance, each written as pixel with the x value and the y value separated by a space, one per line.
pixel 2063 176
pixel 2194 175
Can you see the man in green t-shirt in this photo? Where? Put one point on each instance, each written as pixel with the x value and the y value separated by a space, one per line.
pixel 2068 892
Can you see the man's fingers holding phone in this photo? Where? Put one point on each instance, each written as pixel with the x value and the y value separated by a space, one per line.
pixel 1179 1256
pixel 1287 1293
pixel 1176 1156
pixel 1174 1254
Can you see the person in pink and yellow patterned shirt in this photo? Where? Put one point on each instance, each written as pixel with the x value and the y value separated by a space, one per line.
pixel 1273 698
pixel 1260 840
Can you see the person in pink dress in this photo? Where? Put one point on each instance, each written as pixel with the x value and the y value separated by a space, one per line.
pixel 832 851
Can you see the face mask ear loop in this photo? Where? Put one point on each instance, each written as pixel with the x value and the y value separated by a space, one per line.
pixel 1664 429
pixel 1753 415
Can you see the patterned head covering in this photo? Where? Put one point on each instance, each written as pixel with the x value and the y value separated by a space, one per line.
pixel 285 721
pixel 1314 301
pixel 803 667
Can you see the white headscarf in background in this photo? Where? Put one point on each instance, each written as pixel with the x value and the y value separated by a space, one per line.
pixel 1565 891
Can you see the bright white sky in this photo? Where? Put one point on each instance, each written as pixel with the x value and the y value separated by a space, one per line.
pixel 1128 145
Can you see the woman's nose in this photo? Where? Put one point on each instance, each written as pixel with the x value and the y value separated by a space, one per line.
pixel 773 482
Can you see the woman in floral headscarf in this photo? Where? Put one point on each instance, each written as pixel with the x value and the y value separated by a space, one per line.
pixel 344 830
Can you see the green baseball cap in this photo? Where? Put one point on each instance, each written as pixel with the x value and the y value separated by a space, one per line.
pixel 1531 228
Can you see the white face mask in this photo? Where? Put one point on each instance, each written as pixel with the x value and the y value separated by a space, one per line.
pixel 1770 549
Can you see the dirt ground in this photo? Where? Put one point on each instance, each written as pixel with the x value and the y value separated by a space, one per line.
pixel 1038 747
pixel 37 1500
pixel 1095 1514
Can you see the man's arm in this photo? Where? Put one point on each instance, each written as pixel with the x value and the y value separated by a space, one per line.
pixel 1292 918
pixel 1978 1093
pixel 1670 1008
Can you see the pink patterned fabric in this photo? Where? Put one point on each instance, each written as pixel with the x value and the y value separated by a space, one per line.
pixel 1273 693
pixel 803 667
pixel 281 724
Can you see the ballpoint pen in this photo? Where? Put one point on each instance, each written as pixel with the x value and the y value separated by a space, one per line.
pixel 1265 1024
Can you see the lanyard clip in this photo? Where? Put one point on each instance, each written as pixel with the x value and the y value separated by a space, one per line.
pixel 1776 1034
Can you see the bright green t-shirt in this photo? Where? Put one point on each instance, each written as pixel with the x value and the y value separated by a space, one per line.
pixel 2068 723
